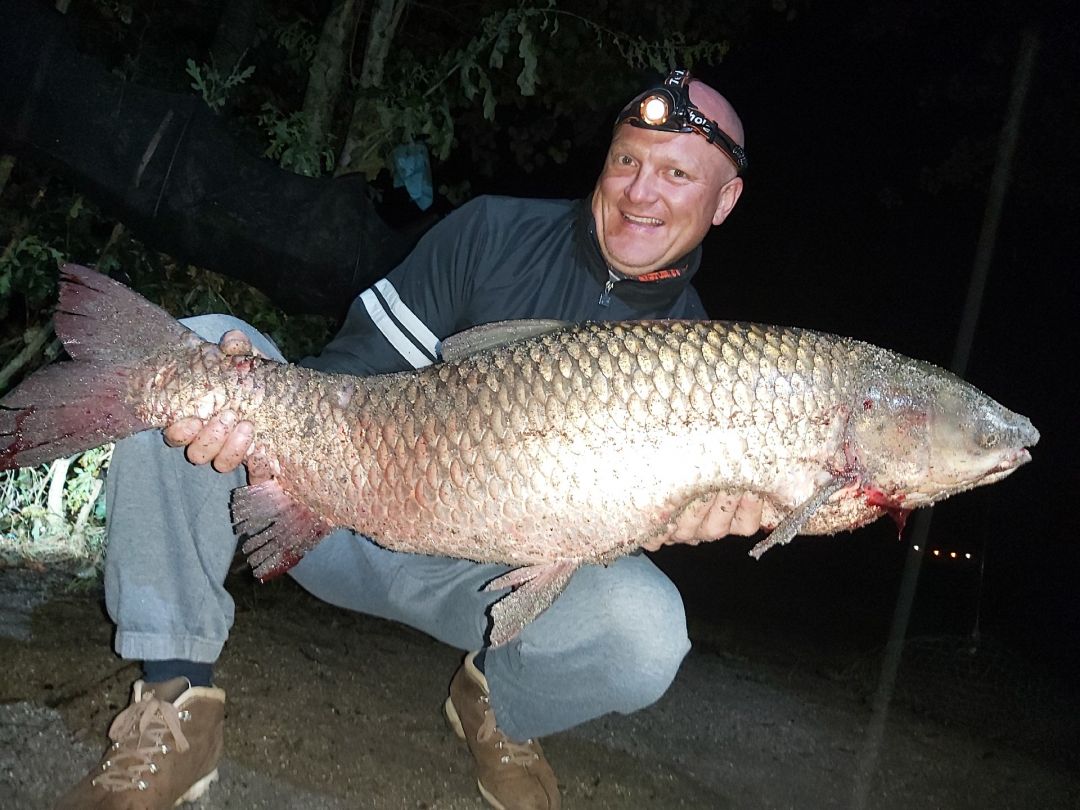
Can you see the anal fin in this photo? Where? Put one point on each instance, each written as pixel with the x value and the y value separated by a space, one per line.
pixel 278 529
pixel 535 588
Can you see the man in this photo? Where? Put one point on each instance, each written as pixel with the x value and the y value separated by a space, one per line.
pixel 612 641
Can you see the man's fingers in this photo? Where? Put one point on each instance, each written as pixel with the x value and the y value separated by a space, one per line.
pixel 221 440
pixel 747 518
pixel 235 447
pixel 719 515
pixel 717 522
pixel 210 439
pixel 688 526
pixel 711 517
pixel 182 431
pixel 235 342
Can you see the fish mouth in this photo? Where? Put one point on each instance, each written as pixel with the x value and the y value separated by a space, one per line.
pixel 1003 468
pixel 1007 465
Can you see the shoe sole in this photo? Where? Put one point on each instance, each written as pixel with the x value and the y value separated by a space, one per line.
pixel 198 789
pixel 452 718
pixel 454 722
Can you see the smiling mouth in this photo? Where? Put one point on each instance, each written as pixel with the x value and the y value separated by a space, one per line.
pixel 650 221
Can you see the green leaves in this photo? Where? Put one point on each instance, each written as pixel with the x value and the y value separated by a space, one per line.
pixel 298 40
pixel 526 79
pixel 293 143
pixel 27 269
pixel 212 86
pixel 56 511
pixel 536 57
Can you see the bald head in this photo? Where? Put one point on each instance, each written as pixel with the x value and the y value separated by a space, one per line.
pixel 719 109
pixel 686 105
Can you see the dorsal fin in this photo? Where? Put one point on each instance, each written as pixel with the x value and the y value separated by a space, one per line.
pixel 489 335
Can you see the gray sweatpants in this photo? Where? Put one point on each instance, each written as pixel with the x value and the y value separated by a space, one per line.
pixel 612 641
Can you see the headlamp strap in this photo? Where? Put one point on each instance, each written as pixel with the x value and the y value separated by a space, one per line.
pixel 681 115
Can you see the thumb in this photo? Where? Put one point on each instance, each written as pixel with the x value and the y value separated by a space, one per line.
pixel 235 342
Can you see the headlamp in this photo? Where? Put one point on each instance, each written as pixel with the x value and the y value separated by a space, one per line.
pixel 655 110
pixel 668 108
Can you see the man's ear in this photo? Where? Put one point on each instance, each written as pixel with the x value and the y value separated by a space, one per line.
pixel 729 195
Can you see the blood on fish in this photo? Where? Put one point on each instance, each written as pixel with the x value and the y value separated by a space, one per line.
pixel 891 506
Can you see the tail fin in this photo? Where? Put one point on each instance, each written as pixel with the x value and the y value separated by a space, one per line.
pixel 74 406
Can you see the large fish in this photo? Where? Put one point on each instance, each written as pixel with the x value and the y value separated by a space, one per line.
pixel 569 444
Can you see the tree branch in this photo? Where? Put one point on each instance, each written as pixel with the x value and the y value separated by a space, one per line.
pixel 328 70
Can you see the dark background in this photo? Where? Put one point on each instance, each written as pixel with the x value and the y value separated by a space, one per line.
pixel 861 216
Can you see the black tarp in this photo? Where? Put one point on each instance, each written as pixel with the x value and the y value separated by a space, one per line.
pixel 165 166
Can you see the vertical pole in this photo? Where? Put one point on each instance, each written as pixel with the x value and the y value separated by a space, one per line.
pixel 875 732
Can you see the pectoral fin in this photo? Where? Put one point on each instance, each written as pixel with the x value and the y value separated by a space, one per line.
pixel 535 588
pixel 793 523
pixel 278 529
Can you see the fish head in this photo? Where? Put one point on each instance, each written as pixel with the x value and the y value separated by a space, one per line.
pixel 920 434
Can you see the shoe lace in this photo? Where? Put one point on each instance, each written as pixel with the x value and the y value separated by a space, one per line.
pixel 138 734
pixel 512 752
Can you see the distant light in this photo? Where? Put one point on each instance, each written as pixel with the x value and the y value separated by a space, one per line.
pixel 937 552
pixel 967 556
pixel 916 548
pixel 952 554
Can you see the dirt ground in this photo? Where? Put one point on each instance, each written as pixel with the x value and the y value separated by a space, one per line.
pixel 328 709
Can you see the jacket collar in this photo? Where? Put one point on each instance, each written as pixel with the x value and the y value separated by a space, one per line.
pixel 658 289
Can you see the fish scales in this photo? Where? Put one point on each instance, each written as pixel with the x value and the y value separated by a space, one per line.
pixel 562 454
pixel 572 444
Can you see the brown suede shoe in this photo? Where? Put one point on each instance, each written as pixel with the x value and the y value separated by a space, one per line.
pixel 510 775
pixel 165 750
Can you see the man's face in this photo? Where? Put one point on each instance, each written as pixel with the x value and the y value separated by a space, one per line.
pixel 657 197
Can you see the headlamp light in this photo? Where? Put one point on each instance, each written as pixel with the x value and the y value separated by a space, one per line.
pixel 668 108
pixel 654 110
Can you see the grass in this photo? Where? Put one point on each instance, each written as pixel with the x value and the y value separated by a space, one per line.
pixel 55 513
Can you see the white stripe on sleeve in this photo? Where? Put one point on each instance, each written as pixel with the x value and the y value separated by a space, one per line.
pixel 382 320
pixel 407 318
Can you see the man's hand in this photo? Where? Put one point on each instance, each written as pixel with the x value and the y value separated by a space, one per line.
pixel 712 517
pixel 222 440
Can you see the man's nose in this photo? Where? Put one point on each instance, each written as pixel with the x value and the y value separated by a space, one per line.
pixel 642 188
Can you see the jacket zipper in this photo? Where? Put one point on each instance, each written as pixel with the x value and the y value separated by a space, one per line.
pixel 605 294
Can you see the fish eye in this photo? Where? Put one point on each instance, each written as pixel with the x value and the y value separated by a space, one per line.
pixel 988 439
